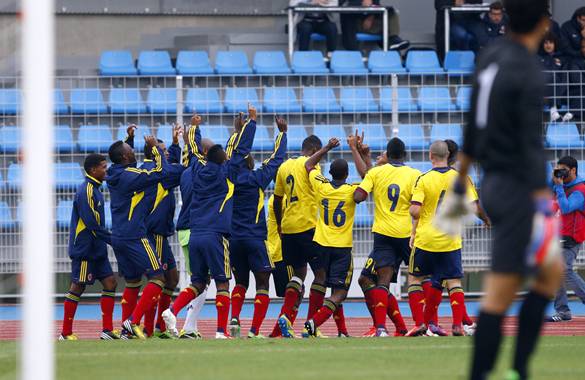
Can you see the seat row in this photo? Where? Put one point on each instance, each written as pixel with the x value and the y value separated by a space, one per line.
pixel 158 63
pixel 90 101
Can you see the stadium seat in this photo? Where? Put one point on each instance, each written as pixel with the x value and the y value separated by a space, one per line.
pixel 14 177
pixel 126 100
pixel 64 142
pixel 203 100
pixel 165 133
pixel 10 137
pixel 347 62
pixel 295 136
pixel 367 37
pixel 318 37
pixel 423 62
pixel 139 134
pixel 87 101
pixel 6 219
pixel 219 134
pixel 459 62
pixel 413 136
pixel 232 62
pixel 155 63
pixel 363 215
pixel 357 99
pixel 263 139
pixel 2 183
pixel 270 62
pixel 309 62
pixel 353 175
pixel 59 107
pixel 447 131
pixel 375 136
pixel 320 99
pixel 406 103
pixel 327 131
pixel 68 175
pixel 193 62
pixel 435 99
pixel 385 62
pixel 421 166
pixel 95 138
pixel 563 136
pixel 63 213
pixel 117 62
pixel 10 101
pixel 237 99
pixel 463 100
pixel 162 100
pixel 280 100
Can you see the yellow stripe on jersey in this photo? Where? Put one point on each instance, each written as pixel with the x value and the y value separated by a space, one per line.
pixel 136 198
pixel 230 193
pixel 274 243
pixel 391 187
pixel 80 227
pixel 161 193
pixel 260 206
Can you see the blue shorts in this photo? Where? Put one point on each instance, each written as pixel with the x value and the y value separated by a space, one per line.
pixel 209 253
pixel 136 258
pixel 300 249
pixel 387 252
pixel 439 265
pixel 339 266
pixel 163 251
pixel 85 272
pixel 249 255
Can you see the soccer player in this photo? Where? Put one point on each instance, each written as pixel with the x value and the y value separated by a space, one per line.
pixel 210 222
pixel 391 185
pixel 248 239
pixel 296 225
pixel 504 134
pixel 88 250
pixel 333 233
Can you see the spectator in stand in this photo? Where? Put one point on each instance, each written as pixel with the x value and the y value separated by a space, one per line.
pixel 461 25
pixel 492 25
pixel 556 89
pixel 352 23
pixel 577 84
pixel 572 33
pixel 322 23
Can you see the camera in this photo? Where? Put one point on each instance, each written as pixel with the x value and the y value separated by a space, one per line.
pixel 561 173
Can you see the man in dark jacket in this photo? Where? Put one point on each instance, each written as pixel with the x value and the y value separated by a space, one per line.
pixel 492 25
pixel 572 33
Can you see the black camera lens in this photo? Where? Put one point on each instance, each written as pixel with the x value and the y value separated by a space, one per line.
pixel 561 173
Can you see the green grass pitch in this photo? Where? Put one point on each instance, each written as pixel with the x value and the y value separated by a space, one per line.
pixel 420 358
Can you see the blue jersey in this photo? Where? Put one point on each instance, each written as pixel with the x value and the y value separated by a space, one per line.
pixel 249 220
pixel 87 233
pixel 186 188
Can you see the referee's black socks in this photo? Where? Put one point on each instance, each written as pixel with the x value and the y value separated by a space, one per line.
pixel 487 343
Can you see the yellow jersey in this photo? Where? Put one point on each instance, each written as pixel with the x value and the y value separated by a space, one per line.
pixel 273 242
pixel 429 190
pixel 336 212
pixel 300 209
pixel 391 185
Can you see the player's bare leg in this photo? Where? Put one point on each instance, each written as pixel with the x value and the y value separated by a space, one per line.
pixel 261 303
pixel 107 302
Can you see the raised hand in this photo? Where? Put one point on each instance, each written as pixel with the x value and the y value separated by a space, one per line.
pixel 239 122
pixel 131 129
pixel 251 111
pixel 150 141
pixel 352 141
pixel 333 143
pixel 281 123
pixel 177 130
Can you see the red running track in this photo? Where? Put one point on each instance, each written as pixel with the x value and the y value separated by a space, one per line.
pixel 84 329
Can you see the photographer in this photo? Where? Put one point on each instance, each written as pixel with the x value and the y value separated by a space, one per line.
pixel 570 197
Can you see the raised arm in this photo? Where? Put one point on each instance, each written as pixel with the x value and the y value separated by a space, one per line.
pixel 318 155
pixel 139 179
pixel 90 215
pixel 130 132
pixel 264 175
pixel 175 148
pixel 242 146
pixel 194 138
pixel 360 164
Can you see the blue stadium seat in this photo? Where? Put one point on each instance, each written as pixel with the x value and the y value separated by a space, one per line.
pixel 357 99
pixel 162 100
pixel 64 142
pixel 59 107
pixel 270 62
pixel 219 134
pixel 447 131
pixel 363 215
pixel 375 136
pixel 421 166
pixel 309 62
pixel 459 62
pixel 68 175
pixel 10 101
pixel 165 133
pixel 237 99
pixel 63 213
pixel 435 99
pixel 385 62
pixel 155 63
pixel 368 37
pixel 423 62
pixel 95 138
pixel 232 62
pixel 406 103
pixel 295 136
pixel 10 138
pixel 320 99
pixel 263 139
pixel 2 183
pixel 563 135
pixel 126 100
pixel 87 101
pixel 327 131
pixel 203 100
pixel 318 37
pixel 142 131
pixel 413 136
pixel 117 62
pixel 6 219
pixel 353 175
pixel 280 100
pixel 14 177
pixel 193 62
pixel 347 62
pixel 463 100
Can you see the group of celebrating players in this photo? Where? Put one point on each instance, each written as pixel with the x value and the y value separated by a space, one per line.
pixel 222 229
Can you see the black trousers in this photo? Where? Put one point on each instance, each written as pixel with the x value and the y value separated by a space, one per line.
pixel 327 28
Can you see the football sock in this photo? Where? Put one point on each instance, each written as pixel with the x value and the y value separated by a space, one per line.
pixel 261 303
pixel 69 309
pixel 486 345
pixel 129 300
pixel 193 311
pixel 149 317
pixel 393 312
pixel 530 322
pixel 432 302
pixel 222 304
pixel 466 318
pixel 184 298
pixel 368 298
pixel 339 319
pixel 316 298
pixel 457 298
pixel 238 298
pixel 107 305
pixel 148 299
pixel 291 296
pixel 324 313
pixel 379 304
pixel 163 303
pixel 416 301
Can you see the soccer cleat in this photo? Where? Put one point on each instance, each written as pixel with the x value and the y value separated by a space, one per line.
pixel 234 328
pixel 319 334
pixel 166 335
pixel 400 332
pixel 220 335
pixel 382 333
pixel 417 331
pixel 457 330
pixel 68 337
pixel 170 321
pixel 370 333
pixel 125 335
pixel 133 329
pixel 558 317
pixel 343 335
pixel 110 335
pixel 310 329
pixel 190 335
pixel 435 330
pixel 251 335
pixel 512 375
pixel 285 327
pixel 469 330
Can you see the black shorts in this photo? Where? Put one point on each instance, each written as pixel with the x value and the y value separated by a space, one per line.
pixel 439 265
pixel 300 249
pixel 339 266
pixel 511 217
pixel 249 255
pixel 387 252
pixel 281 275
